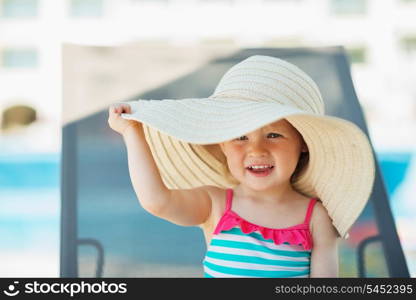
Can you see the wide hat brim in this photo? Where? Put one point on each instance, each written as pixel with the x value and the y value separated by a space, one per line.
pixel 182 135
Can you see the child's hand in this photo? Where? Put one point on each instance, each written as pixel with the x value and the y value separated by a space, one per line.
pixel 116 121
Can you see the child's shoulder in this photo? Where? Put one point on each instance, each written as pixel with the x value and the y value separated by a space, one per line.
pixel 320 223
pixel 319 213
pixel 216 194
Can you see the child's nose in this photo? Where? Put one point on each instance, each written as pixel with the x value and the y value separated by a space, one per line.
pixel 257 149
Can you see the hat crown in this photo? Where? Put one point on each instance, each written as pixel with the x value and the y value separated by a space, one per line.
pixel 269 79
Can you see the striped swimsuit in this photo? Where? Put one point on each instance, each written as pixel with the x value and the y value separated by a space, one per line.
pixel 242 249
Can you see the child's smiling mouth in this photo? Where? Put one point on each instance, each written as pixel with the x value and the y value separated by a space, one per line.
pixel 260 170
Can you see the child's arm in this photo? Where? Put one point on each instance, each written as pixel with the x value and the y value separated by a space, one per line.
pixel 324 260
pixel 182 207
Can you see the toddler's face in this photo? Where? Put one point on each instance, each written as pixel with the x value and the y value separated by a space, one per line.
pixel 265 158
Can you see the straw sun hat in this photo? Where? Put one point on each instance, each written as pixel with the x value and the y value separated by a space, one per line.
pixel 182 135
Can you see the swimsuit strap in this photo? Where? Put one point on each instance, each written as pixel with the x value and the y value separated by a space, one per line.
pixel 229 199
pixel 312 203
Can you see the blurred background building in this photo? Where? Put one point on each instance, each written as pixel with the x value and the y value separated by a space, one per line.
pixel 40 39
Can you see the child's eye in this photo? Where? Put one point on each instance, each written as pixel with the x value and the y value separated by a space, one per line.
pixel 273 135
pixel 270 135
pixel 241 138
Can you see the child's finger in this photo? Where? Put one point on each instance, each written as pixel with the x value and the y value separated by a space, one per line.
pixel 120 108
pixel 112 110
pixel 127 109
pixel 124 108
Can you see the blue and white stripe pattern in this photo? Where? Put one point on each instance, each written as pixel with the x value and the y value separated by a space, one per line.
pixel 233 253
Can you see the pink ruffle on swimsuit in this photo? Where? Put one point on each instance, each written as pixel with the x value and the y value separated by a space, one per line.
pixel 240 248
